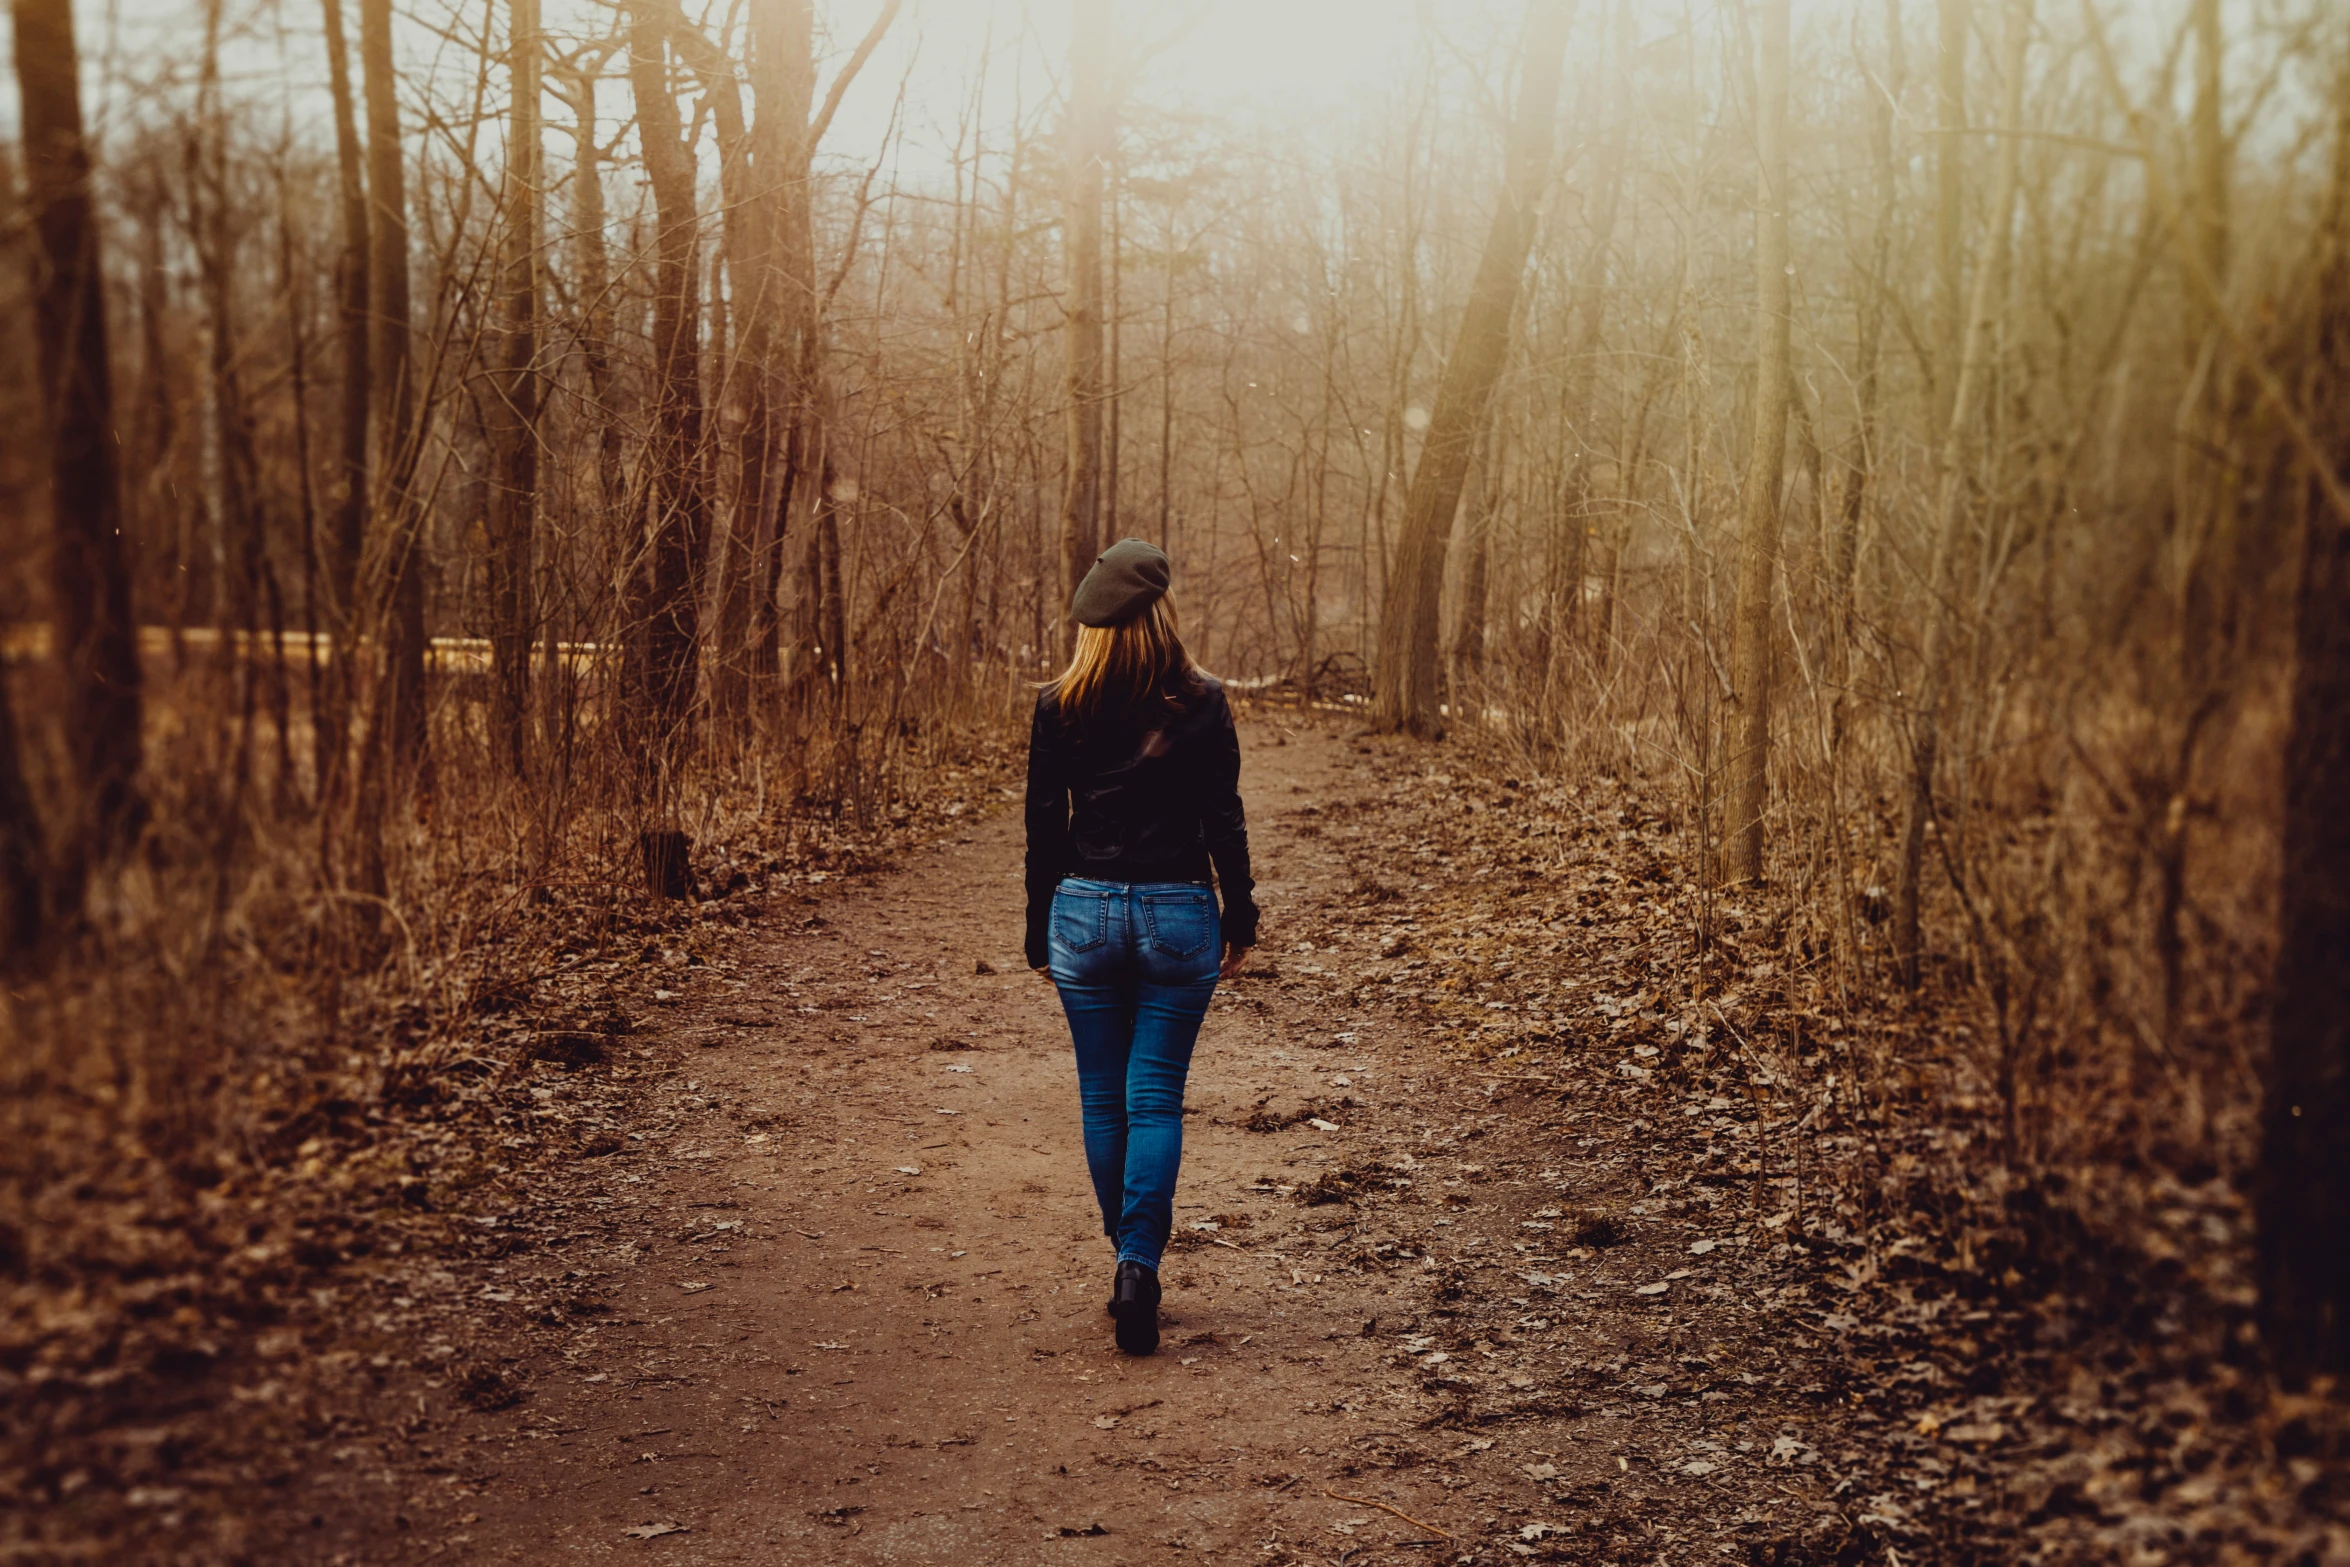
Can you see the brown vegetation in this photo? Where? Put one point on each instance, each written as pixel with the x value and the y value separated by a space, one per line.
pixel 442 544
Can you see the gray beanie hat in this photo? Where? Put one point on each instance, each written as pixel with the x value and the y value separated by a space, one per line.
pixel 1126 579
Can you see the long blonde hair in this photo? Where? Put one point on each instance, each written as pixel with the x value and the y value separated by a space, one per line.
pixel 1131 662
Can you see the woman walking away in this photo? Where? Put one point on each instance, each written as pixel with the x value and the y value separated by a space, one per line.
pixel 1133 795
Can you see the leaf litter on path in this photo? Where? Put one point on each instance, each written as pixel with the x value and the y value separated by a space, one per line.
pixel 1575 1369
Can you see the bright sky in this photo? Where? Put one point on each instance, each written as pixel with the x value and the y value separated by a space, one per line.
pixel 1284 58
pixel 1309 61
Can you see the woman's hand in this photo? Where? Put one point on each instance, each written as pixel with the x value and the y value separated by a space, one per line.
pixel 1235 957
pixel 1043 973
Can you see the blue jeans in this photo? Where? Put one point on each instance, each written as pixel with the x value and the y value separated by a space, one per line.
pixel 1135 963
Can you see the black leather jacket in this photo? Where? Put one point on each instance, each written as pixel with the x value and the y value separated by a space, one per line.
pixel 1138 795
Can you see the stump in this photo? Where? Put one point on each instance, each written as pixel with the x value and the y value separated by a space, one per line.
pixel 668 872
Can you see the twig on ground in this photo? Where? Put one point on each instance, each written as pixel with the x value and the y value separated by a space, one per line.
pixel 1364 1501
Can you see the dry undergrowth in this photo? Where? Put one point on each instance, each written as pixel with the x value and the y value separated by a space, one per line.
pixel 239 1088
pixel 2045 1307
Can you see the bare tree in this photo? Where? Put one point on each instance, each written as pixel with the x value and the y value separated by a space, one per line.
pixel 1405 697
pixel 1758 539
pixel 348 535
pixel 514 404
pixel 1843 554
pixel 677 507
pixel 1965 378
pixel 96 639
pixel 781 287
pixel 1089 142
pixel 397 442
pixel 1952 19
pixel 24 854
pixel 2303 1185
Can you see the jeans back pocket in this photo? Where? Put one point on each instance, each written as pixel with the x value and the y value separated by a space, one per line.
pixel 1081 920
pixel 1180 923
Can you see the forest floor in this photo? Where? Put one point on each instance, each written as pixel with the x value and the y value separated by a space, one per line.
pixel 837 1295
pixel 763 1235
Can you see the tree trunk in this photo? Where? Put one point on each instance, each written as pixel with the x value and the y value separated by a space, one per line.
pixel 793 449
pixel 2208 172
pixel 747 236
pixel 514 410
pixel 387 181
pixel 1949 198
pixel 2302 1186
pixel 329 738
pixel 1405 694
pixel 1844 547
pixel 1082 247
pixel 677 504
pixel 1468 641
pixel 783 88
pixel 1942 572
pixel 595 293
pixel 238 497
pixel 1088 150
pixel 24 856
pixel 1758 538
pixel 96 640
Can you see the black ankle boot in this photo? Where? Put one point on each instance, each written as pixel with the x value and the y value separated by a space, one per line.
pixel 1134 1301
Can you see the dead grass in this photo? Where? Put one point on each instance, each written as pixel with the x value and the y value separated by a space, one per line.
pixel 227 1085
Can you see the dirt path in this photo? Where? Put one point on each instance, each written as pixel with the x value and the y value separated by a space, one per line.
pixel 839 1296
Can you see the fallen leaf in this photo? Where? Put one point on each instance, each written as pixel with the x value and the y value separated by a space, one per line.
pixel 694 1286
pixel 1658 1288
pixel 1984 1431
pixel 1700 1248
pixel 653 1531
pixel 1320 1125
pixel 909 1169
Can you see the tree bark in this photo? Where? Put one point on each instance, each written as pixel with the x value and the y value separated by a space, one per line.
pixel 395 396
pixel 96 639
pixel 217 242
pixel 1758 538
pixel 514 409
pixel 783 294
pixel 2302 1186
pixel 1869 331
pixel 1952 17
pixel 1942 571
pixel 783 350
pixel 677 504
pixel 1088 152
pixel 1404 696
pixel 329 738
pixel 24 855
pixel 1468 640
pixel 746 238
pixel 595 291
